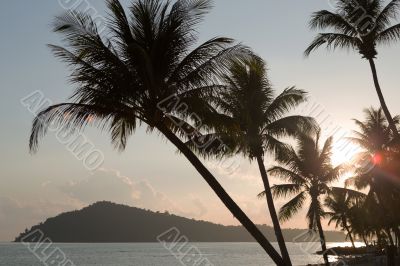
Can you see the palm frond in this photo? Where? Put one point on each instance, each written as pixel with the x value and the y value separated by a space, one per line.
pixel 325 19
pixel 121 128
pixel 359 182
pixel 215 66
pixel 333 174
pixel 291 126
pixel 213 145
pixel 199 55
pixel 326 152
pixel 118 22
pixel 333 41
pixel 72 117
pixel 291 160
pixel 75 26
pixel 274 146
pixel 284 190
pixel 346 194
pixel 388 13
pixel 389 35
pixel 285 102
pixel 292 207
pixel 286 175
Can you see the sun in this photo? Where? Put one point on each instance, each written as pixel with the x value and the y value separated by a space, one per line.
pixel 343 151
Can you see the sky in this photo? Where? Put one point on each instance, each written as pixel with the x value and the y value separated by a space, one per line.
pixel 150 174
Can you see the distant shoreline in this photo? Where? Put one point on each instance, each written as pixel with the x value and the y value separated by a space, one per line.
pixel 147 242
pixel 106 222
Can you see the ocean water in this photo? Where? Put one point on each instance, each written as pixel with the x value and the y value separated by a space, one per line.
pixel 152 254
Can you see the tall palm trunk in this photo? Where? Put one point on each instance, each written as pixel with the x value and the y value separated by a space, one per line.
pixel 348 231
pixel 323 241
pixel 223 195
pixel 385 109
pixel 272 211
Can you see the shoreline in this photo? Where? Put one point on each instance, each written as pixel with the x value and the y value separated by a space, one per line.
pixel 364 260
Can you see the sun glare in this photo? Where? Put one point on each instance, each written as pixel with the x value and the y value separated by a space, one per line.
pixel 343 151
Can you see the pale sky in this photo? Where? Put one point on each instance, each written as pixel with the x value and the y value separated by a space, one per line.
pixel 150 174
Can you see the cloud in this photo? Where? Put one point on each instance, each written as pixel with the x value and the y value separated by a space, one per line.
pixel 101 186
pixel 16 216
pixel 200 206
pixel 236 169
pixel 111 185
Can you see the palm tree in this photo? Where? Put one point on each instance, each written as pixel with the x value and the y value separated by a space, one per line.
pixel 361 27
pixel 360 222
pixel 340 203
pixel 122 77
pixel 309 172
pixel 252 120
pixel 377 141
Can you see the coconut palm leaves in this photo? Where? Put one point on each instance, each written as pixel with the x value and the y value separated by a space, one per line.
pixel 122 76
pixel 126 74
pixel 308 172
pixel 359 26
pixel 248 117
pixel 380 157
pixel 250 121
pixel 379 149
pixel 340 203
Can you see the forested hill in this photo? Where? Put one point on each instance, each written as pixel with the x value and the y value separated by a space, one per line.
pixel 109 222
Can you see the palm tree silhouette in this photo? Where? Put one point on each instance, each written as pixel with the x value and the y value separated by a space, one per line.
pixel 377 141
pixel 251 121
pixel 309 172
pixel 123 77
pixel 360 28
pixel 360 223
pixel 340 203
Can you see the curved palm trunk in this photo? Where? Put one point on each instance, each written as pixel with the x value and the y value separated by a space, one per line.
pixel 385 109
pixel 223 195
pixel 272 211
pixel 348 231
pixel 323 241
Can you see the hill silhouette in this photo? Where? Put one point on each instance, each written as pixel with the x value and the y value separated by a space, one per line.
pixel 107 222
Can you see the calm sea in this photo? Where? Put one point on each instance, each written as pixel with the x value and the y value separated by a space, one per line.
pixel 153 254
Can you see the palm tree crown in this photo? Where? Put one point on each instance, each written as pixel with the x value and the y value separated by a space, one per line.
pixel 248 118
pixel 361 27
pixel 340 204
pixel 147 57
pixel 309 172
pixel 350 31
pixel 374 134
pixel 376 139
